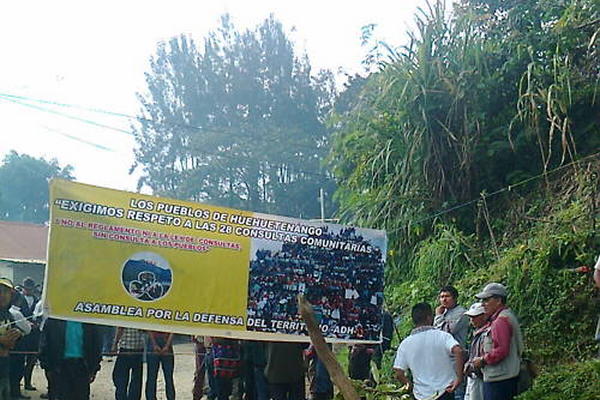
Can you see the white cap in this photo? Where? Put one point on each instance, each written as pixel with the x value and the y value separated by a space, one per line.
pixel 475 310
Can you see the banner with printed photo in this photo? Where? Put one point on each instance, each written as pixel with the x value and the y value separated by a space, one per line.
pixel 135 260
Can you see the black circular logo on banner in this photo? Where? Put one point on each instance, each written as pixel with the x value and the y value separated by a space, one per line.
pixel 147 276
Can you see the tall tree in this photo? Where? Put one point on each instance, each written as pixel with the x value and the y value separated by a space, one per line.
pixel 236 122
pixel 24 186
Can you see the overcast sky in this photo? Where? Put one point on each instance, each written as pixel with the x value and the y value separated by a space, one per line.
pixel 94 54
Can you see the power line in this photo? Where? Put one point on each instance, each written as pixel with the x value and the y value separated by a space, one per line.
pixel 18 100
pixel 84 120
pixel 118 114
pixel 100 147
pixel 504 189
pixel 78 139
pixel 22 101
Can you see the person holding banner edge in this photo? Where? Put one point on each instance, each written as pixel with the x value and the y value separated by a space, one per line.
pixel 160 353
pixel 127 372
pixel 71 352
pixel 10 332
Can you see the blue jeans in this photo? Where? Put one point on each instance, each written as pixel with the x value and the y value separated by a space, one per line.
pixel 108 335
pixel 459 392
pixel 127 375
pixel 168 363
pixel 261 387
pixel 213 388
pixel 323 387
pixel 501 390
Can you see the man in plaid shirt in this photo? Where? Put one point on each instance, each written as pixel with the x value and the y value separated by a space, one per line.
pixel 127 373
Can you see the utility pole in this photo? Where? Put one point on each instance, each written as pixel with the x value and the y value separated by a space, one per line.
pixel 322 200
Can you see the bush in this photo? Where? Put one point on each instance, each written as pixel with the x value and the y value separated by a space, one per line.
pixel 557 308
pixel 575 381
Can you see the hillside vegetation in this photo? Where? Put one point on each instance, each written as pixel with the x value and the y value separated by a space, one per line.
pixel 477 148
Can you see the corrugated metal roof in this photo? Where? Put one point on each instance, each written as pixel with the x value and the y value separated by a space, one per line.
pixel 21 241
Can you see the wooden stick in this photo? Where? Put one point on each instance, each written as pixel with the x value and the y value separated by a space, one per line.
pixel 336 373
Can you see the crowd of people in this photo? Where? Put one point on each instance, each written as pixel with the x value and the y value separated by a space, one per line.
pixel 70 354
pixel 345 288
pixel 441 359
pixel 441 364
pixel 448 360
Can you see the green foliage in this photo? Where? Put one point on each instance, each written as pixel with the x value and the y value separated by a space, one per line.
pixel 497 93
pixel 557 307
pixel 438 260
pixel 406 145
pixel 236 121
pixel 386 374
pixel 490 101
pixel 554 304
pixel 383 391
pixel 24 186
pixel 574 381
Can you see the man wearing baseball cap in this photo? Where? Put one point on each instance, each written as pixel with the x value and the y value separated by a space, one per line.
pixel 478 319
pixel 502 346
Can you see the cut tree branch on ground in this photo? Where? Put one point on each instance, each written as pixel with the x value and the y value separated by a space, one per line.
pixel 336 373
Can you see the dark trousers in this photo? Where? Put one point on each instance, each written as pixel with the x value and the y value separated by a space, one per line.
pixel 213 388
pixel 501 390
pixel 446 396
pixel 31 345
pixel 5 378
pixel 51 378
pixel 30 361
pixel 154 361
pixel 287 391
pixel 224 387
pixel 261 387
pixel 127 374
pixel 72 380
pixel 199 372
pixel 17 369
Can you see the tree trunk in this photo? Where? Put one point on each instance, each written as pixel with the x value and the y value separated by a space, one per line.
pixel 333 367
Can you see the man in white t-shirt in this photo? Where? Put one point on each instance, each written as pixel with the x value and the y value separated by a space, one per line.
pixel 433 357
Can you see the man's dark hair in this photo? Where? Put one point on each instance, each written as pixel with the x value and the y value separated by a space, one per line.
pixel 502 298
pixel 421 312
pixel 450 289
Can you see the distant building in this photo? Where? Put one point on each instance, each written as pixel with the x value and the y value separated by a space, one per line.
pixel 23 251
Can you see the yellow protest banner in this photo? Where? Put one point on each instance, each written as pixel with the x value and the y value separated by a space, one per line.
pixel 136 260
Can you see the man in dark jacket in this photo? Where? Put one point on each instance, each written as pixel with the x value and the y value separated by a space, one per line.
pixel 285 370
pixel 22 364
pixel 71 353
pixel 23 345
